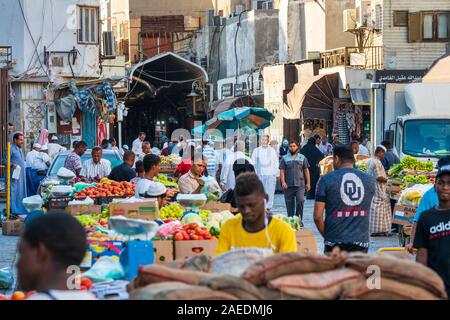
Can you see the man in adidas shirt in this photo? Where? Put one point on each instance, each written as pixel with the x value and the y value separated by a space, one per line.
pixel 432 237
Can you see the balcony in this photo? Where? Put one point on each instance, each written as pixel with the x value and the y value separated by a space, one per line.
pixel 371 58
pixel 5 57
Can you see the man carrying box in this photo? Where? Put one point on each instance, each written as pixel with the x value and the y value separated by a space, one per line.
pixel 253 227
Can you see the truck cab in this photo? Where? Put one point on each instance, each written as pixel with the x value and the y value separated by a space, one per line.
pixel 425 132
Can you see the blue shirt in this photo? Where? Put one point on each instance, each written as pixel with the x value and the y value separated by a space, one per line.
pixel 429 201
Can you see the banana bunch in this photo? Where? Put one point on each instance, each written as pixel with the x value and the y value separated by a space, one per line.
pixel 412 197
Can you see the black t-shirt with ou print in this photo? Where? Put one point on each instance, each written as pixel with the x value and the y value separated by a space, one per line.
pixel 433 234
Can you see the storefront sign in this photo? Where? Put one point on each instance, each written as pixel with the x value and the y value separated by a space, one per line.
pixel 239 89
pixel 227 90
pixel 399 76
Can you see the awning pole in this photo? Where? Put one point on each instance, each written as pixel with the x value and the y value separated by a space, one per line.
pixel 8 180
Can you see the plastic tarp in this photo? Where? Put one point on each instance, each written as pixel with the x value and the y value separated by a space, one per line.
pixel 428 99
pixel 312 97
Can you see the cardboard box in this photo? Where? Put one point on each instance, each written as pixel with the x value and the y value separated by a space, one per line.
pixel 189 248
pixel 147 210
pixel 77 210
pixel 215 206
pixel 404 215
pixel 306 241
pixel 98 249
pixel 13 227
pixel 164 252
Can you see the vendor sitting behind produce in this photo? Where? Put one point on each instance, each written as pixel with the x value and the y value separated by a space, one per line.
pixel 96 167
pixel 158 190
pixel 125 171
pixel 151 167
pixel 253 227
pixel 49 246
pixel 190 183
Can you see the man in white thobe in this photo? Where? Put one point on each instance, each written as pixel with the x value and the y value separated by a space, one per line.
pixel 32 155
pixel 137 144
pixel 267 165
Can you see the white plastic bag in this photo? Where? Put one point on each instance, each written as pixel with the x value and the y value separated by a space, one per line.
pixel 16 173
pixel 88 201
pixel 106 268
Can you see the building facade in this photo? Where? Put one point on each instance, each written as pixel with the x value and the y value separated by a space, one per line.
pixel 60 44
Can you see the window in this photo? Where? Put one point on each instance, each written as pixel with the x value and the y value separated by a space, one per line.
pixel 429 26
pixel 401 18
pixel 88 25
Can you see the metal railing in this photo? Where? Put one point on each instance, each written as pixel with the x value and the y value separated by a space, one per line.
pixel 5 56
pixel 371 58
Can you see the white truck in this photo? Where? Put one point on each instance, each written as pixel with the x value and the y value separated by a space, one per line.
pixel 425 132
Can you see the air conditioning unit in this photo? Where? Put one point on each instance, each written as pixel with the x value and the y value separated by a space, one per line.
pixel 377 18
pixel 109 45
pixel 363 13
pixel 240 8
pixel 349 20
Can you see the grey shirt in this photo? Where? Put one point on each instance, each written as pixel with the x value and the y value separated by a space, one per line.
pixel 347 194
pixel 294 167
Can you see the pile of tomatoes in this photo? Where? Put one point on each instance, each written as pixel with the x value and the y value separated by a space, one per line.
pixel 108 189
pixel 193 231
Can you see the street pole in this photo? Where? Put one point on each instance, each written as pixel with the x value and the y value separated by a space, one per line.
pixel 120 133
pixel 8 180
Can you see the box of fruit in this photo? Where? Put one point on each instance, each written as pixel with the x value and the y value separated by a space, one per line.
pixel 163 250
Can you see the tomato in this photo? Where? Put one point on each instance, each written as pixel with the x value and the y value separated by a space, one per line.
pixel 207 236
pixel 83 288
pixel 193 225
pixel 86 282
pixel 187 237
pixel 200 237
pixel 18 295
pixel 202 233
pixel 194 237
pixel 179 236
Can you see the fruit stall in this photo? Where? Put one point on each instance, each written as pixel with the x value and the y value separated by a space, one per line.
pixel 169 163
pixel 407 183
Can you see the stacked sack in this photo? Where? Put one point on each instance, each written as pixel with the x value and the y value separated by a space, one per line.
pixel 298 276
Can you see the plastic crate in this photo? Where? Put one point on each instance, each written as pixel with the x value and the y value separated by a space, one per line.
pixel 106 200
pixel 57 203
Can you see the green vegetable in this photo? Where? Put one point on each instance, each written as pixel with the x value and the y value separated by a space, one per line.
pixel 214 231
pixel 192 217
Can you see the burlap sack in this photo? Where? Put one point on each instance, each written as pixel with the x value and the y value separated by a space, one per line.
pixel 402 270
pixel 235 286
pixel 158 273
pixel 327 285
pixel 177 291
pixel 290 263
pixel 273 294
pixel 389 290
pixel 200 263
pixel 156 290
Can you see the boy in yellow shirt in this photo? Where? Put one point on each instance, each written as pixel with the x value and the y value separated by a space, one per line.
pixel 252 227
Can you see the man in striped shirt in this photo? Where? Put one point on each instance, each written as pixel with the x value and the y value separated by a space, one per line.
pixel 210 155
pixel 96 167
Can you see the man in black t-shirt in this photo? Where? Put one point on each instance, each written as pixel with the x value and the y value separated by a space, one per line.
pixel 124 172
pixel 432 237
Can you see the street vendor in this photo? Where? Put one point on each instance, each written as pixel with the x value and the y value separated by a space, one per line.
pixel 159 191
pixel 151 167
pixel 73 160
pixel 190 183
pixel 96 167
pixel 253 226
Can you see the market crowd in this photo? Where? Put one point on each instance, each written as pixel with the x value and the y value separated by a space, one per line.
pixel 350 205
